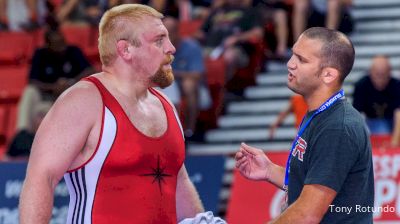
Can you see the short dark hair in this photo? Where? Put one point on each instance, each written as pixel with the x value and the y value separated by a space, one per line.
pixel 337 50
pixel 50 33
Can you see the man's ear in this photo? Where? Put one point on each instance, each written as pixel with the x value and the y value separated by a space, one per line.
pixel 124 49
pixel 330 75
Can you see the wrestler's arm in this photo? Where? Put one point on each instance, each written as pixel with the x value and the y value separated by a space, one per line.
pixel 188 203
pixel 310 207
pixel 59 139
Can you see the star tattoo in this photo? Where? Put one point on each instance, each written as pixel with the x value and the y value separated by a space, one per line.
pixel 158 174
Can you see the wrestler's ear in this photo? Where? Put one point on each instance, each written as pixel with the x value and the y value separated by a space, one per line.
pixel 124 49
pixel 330 75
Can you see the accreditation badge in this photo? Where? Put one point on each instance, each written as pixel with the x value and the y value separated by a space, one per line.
pixel 285 203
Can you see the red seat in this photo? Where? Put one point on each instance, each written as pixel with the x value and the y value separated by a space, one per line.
pixel 8 112
pixel 13 80
pixel 81 36
pixel 189 28
pixel 215 75
pixel 16 47
pixel 57 4
pixel 215 71
pixel 84 37
pixel 246 76
pixel 38 37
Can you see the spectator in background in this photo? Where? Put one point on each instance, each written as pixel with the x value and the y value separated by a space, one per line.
pixel 377 95
pixel 84 12
pixel 166 7
pixel 276 13
pixel 188 68
pixel 55 67
pixel 201 8
pixel 20 15
pixel 297 106
pixel 179 9
pixel 332 14
pixel 230 31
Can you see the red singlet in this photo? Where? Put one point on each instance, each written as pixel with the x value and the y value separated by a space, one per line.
pixel 130 178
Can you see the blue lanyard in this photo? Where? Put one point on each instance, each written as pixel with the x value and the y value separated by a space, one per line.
pixel 333 99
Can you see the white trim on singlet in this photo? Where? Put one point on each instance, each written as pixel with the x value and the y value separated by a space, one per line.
pixel 82 182
pixel 177 120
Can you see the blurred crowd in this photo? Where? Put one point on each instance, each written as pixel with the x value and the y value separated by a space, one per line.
pixel 237 36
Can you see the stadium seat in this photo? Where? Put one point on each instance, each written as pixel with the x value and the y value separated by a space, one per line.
pixel 16 47
pixel 13 79
pixel 246 76
pixel 84 37
pixel 189 28
pixel 215 75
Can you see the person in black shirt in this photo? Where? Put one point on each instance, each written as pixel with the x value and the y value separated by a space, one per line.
pixel 55 67
pixel 377 96
pixel 230 32
pixel 329 176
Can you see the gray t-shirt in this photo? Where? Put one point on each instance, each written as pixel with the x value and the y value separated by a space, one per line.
pixel 335 151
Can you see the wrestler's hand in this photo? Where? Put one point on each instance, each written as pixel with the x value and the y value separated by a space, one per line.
pixel 252 163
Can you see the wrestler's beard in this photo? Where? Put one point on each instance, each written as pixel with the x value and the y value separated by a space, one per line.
pixel 164 77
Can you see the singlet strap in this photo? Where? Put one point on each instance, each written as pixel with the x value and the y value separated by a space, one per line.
pixel 172 108
pixel 105 94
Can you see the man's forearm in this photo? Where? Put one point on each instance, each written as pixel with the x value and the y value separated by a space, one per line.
pixel 310 207
pixel 36 203
pixel 333 17
pixel 188 202
pixel 294 215
pixel 255 33
pixel 276 175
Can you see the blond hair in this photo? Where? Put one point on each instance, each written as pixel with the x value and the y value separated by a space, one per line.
pixel 118 24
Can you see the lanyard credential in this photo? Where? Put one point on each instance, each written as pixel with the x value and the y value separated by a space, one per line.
pixel 333 99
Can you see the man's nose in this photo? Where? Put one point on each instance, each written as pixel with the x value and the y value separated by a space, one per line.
pixel 290 64
pixel 170 49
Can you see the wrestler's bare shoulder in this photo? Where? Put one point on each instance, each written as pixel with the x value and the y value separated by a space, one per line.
pixel 81 102
pixel 83 93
